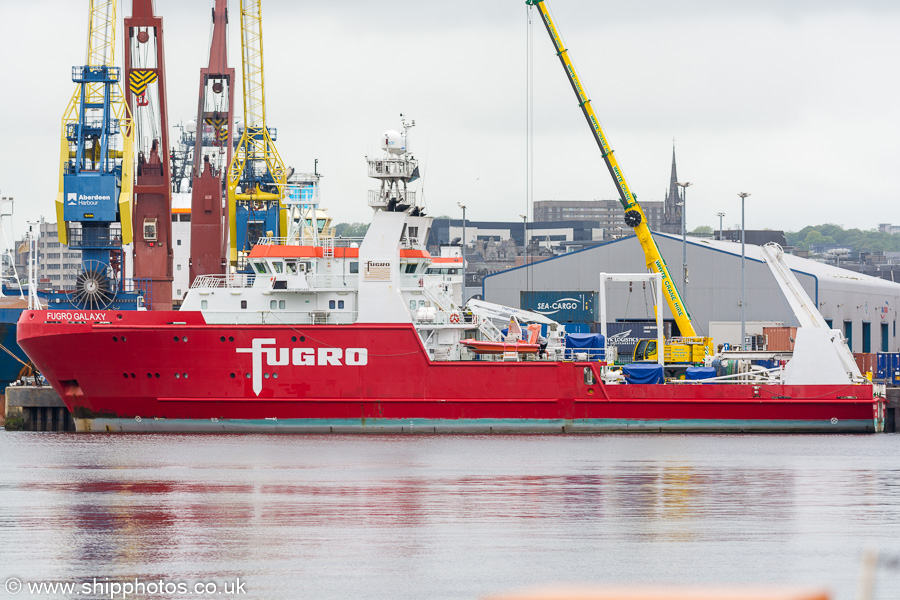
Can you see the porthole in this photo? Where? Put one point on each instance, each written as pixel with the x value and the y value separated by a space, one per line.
pixel 266 375
pixel 125 375
pixel 232 375
pixel 274 375
pixel 115 339
pixel 302 338
pixel 293 338
pixel 156 375
pixel 175 338
pixel 123 338
pixel 184 339
pixel 177 375
pixel 132 375
pixel 184 375
pixel 247 375
pixel 230 338
pixel 149 375
pixel 222 339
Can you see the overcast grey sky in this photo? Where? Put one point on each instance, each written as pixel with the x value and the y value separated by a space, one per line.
pixel 795 102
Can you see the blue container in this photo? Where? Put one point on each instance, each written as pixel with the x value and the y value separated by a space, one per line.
pixel 577 327
pixel 882 368
pixel 894 374
pixel 767 363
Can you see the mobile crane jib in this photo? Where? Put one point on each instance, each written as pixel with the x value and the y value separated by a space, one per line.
pixel 634 215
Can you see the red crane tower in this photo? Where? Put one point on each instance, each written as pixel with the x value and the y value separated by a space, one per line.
pixel 145 93
pixel 212 153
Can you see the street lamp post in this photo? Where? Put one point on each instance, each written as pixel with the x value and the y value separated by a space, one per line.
pixel 7 203
pixel 743 196
pixel 684 269
pixel 525 244
pixel 463 207
pixel 720 215
pixel 525 236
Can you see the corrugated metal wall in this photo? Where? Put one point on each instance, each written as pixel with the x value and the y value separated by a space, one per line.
pixel 713 292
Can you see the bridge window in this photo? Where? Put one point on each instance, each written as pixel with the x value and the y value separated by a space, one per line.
pixel 260 267
pixel 279 266
pixel 354 267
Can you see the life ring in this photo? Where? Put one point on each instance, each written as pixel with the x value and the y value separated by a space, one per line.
pixel 454 317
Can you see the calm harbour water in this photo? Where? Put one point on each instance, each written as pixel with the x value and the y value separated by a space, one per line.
pixel 446 516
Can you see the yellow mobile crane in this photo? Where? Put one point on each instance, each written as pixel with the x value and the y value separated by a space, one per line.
pixel 690 348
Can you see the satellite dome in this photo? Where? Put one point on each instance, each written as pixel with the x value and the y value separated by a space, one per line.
pixel 191 126
pixel 393 141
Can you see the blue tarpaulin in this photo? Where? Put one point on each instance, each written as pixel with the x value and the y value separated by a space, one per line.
pixel 696 373
pixel 643 373
pixel 590 343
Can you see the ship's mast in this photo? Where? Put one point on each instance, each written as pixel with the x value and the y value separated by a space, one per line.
pixel 396 169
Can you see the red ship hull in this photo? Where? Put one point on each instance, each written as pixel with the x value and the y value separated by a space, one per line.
pixel 171 371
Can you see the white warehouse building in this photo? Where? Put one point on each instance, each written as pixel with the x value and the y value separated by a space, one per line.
pixel 863 307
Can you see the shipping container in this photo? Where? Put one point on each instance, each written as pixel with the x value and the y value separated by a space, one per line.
pixel 894 375
pixel 780 339
pixel 563 307
pixel 883 366
pixel 867 362
pixel 577 327
pixel 625 336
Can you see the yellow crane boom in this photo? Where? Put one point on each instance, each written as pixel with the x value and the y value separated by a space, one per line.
pixel 634 215
pixel 256 145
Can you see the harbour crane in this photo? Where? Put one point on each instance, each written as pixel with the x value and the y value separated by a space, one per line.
pixel 213 146
pixel 94 203
pixel 145 93
pixel 257 176
pixel 691 346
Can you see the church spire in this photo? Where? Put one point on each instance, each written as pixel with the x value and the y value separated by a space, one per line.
pixel 671 210
pixel 674 176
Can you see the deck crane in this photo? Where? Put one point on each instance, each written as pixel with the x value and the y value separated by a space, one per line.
pixel 213 145
pixel 691 347
pixel 257 175
pixel 145 93
pixel 93 206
